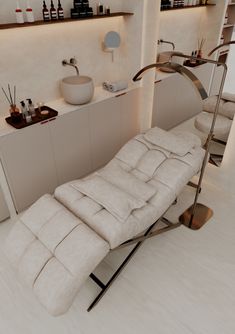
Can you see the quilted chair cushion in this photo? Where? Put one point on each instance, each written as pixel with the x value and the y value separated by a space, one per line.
pixel 222 126
pixel 168 173
pixel 54 253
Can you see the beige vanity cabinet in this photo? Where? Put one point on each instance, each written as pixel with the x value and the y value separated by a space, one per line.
pixel 175 101
pixel 40 157
pixel 4 212
pixel 105 123
pixel 28 162
pixel 70 135
pixel 113 122
pixel 130 118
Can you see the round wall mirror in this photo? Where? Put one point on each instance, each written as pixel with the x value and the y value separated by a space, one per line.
pixel 112 40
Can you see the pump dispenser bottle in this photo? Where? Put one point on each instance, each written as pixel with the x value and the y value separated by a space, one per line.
pixel 31 108
pixel 53 12
pixel 19 14
pixel 29 13
pixel 23 110
pixel 45 12
pixel 60 11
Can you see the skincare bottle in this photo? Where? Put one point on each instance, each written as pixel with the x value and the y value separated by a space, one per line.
pixel 45 12
pixel 60 11
pixel 31 108
pixel 53 11
pixel 23 110
pixel 107 10
pixel 100 9
pixel 29 13
pixel 28 118
pixel 19 14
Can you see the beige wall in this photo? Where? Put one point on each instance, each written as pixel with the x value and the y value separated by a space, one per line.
pixel 31 57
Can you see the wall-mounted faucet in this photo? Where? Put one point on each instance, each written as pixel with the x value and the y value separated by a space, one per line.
pixel 72 62
pixel 160 41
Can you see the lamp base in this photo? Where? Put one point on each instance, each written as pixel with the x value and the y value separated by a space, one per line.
pixel 201 216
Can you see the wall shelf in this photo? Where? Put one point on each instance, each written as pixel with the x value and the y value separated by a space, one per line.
pixel 187 7
pixel 39 23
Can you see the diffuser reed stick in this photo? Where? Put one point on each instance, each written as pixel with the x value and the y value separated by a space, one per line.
pixel 9 89
pixel 11 99
pixel 6 95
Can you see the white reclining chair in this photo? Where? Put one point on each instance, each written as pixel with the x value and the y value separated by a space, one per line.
pixel 59 240
pixel 223 122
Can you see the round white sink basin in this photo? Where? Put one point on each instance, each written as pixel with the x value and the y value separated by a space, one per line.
pixel 77 89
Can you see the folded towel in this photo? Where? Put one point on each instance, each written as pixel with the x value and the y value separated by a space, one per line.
pixel 116 201
pixel 169 141
pixel 210 103
pixel 228 97
pixel 228 110
pixel 115 86
pixel 127 182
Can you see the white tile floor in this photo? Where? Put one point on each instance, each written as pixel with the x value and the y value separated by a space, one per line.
pixel 178 283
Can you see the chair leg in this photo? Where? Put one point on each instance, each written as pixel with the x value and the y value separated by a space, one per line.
pixel 193 185
pixel 113 278
pixel 138 241
pixel 214 157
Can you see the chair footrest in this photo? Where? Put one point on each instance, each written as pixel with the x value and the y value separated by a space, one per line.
pixel 54 252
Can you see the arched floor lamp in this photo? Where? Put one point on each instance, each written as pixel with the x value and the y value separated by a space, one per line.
pixel 197 214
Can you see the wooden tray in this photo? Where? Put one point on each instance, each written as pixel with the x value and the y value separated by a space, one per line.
pixel 36 119
pixel 189 64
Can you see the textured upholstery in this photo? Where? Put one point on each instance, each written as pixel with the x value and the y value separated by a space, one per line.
pixel 224 118
pixel 167 172
pixel 59 241
pixel 54 252
pixel 222 126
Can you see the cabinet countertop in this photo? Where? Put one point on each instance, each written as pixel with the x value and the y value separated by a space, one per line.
pixel 63 108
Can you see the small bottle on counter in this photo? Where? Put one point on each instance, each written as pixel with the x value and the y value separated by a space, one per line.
pixel 19 14
pixel 16 116
pixel 24 110
pixel 45 12
pixel 29 13
pixel 53 13
pixel 31 108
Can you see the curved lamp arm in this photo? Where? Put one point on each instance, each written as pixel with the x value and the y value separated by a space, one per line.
pixel 220 46
pixel 188 217
pixel 179 69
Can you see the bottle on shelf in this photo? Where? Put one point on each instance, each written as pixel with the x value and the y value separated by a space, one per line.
pixel 100 9
pixel 29 13
pixel 19 14
pixel 53 12
pixel 60 11
pixel 107 10
pixel 45 12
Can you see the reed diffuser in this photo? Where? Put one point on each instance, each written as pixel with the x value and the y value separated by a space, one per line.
pixel 201 43
pixel 11 99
